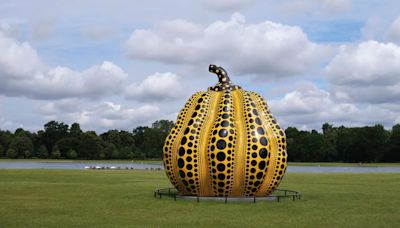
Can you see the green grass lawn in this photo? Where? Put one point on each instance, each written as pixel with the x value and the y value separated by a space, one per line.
pixel 122 198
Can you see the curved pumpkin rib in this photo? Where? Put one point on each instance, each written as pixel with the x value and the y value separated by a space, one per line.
pixel 208 118
pixel 169 152
pixel 178 166
pixel 221 144
pixel 239 174
pixel 278 147
pixel 257 156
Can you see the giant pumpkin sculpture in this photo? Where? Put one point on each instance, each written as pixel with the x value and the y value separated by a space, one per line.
pixel 225 143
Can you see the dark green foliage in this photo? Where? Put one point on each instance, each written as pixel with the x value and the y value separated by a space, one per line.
pixel 90 146
pixel 357 144
pixel 334 144
pixel 71 153
pixel 11 153
pixel 22 146
pixel 42 152
pixel 392 151
pixel 55 153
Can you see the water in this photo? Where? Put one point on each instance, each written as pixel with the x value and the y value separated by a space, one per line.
pixel 75 165
pixel 134 165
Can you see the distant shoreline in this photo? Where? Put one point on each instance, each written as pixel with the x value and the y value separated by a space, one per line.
pixel 160 162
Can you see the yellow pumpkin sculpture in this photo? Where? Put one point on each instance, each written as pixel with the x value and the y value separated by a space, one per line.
pixel 225 143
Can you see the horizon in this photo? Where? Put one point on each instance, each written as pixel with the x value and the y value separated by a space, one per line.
pixel 121 65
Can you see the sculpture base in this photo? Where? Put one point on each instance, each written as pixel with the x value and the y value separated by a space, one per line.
pixel 277 195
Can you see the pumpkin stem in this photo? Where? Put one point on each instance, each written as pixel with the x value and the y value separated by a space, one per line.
pixel 222 74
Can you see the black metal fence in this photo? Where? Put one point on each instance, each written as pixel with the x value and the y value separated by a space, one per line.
pixel 277 195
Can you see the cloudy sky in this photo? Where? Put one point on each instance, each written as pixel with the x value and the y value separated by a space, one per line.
pixel 119 64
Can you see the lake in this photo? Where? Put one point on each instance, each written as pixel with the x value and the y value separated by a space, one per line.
pixel 143 166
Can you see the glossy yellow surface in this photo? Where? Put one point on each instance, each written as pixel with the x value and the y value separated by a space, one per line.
pixel 225 143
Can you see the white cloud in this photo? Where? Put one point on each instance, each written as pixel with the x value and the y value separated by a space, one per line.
pixel 156 87
pixel 226 4
pixel 23 73
pixel 99 116
pixel 8 30
pixel 309 107
pixel 394 31
pixel 367 72
pixel 265 48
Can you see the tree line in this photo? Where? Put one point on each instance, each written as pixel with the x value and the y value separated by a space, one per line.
pixel 333 144
pixel 344 144
pixel 58 140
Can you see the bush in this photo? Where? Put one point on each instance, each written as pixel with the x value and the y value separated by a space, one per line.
pixel 72 154
pixel 55 153
pixel 11 153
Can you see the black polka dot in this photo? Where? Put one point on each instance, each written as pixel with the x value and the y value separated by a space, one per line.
pixel 221 144
pixel 221 156
pixel 260 130
pixel 255 112
pixel 221 167
pixel 261 165
pixel 223 133
pixel 181 163
pixel 183 141
pixel 263 141
pixel 221 176
pixel 181 151
pixel 263 153
pixel 221 184
pixel 189 167
pixel 258 121
pixel 181 173
pixel 224 123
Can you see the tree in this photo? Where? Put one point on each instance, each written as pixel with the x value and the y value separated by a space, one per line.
pixel 5 139
pixel 42 152
pixel 75 130
pixel 71 154
pixel 66 144
pixel 11 153
pixel 54 131
pixel 22 145
pixel 164 126
pixel 329 150
pixel 90 146
pixel 110 150
pixel 55 153
pixel 392 151
pixel 2 150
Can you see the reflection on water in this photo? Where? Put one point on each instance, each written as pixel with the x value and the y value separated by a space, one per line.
pixel 96 165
